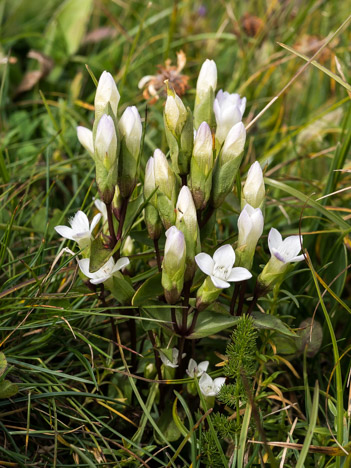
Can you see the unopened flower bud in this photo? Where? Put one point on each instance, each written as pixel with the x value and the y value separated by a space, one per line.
pixel 85 137
pixel 254 191
pixel 250 227
pixel 106 157
pixel 228 163
pixel 205 89
pixel 106 93
pixel 173 265
pixel 130 129
pixel 201 166
pixel 186 221
pixel 167 189
pixel 151 216
pixel 228 109
pixel 179 132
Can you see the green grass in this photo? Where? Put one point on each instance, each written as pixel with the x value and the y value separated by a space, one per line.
pixel 73 401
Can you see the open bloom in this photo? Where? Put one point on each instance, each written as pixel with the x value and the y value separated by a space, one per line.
pixel 105 272
pixel 80 230
pixel 196 370
pixel 229 110
pixel 210 387
pixel 285 250
pixel 174 362
pixel 220 267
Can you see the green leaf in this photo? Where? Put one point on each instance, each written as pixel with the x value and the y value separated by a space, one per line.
pixel 99 255
pixel 69 24
pixel 210 322
pixel 121 288
pixel 270 322
pixel 150 289
pixel 7 389
pixel 310 430
pixel 134 208
pixel 167 426
pixel 3 363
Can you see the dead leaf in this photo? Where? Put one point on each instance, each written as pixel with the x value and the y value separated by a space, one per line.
pixel 31 78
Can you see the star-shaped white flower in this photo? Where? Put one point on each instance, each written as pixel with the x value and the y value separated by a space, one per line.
pixel 196 370
pixel 220 267
pixel 285 250
pixel 175 356
pixel 210 387
pixel 105 272
pixel 80 231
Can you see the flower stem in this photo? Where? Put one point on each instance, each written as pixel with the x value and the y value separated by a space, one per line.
pixel 111 228
pixel 121 217
pixel 157 356
pixel 158 256
pixel 241 298
pixel 234 297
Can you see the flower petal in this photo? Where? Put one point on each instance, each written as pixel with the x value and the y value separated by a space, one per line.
pixel 99 280
pixel 274 240
pixel 94 222
pixel 191 367
pixel 298 258
pixel 65 232
pixel 218 383
pixel 290 247
pixel 202 367
pixel 84 264
pixel 205 263
pixel 224 256
pixel 79 223
pixel 219 283
pixel 239 274
pixel 206 385
pixel 121 263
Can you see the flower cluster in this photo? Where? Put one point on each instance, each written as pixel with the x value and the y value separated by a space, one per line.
pixel 177 199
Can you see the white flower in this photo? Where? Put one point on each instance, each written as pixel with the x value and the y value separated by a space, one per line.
pixel 254 191
pixel 229 110
pixel 100 205
pixel 210 387
pixel 131 129
pixel 220 267
pixel 164 177
pixel 202 151
pixel 175 355
pixel 234 143
pixel 85 137
pixel 106 141
pixel 250 226
pixel 196 370
pixel 186 211
pixel 80 231
pixel 106 92
pixel 207 78
pixel 285 250
pixel 105 272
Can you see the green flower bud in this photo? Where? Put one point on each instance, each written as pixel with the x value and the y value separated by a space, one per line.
pixel 166 183
pixel 173 265
pixel 200 182
pixel 130 130
pixel 106 157
pixel 228 163
pixel 151 216
pixel 178 123
pixel 186 221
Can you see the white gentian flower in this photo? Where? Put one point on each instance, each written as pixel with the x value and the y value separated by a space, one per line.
pixel 131 129
pixel 229 110
pixel 234 143
pixel 250 226
pixel 254 191
pixel 196 370
pixel 80 230
pixel 285 250
pixel 85 137
pixel 105 272
pixel 207 78
pixel 106 142
pixel 220 267
pixel 106 92
pixel 210 387
pixel 175 356
pixel 100 205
